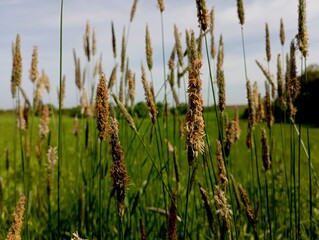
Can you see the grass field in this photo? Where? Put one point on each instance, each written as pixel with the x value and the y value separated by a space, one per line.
pixel 205 173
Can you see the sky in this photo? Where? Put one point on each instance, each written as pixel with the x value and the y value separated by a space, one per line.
pixel 38 22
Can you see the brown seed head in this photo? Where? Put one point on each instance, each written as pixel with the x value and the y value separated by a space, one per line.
pixel 268 52
pixel 282 32
pixel 52 159
pixel 149 50
pixel 269 118
pixel 302 37
pixel 94 42
pixel 171 233
pixel 14 232
pixel 280 82
pixel 265 150
pixel 102 108
pixel 34 73
pixel 202 14
pixel 142 230
pixel 16 76
pixel 86 41
pixel 251 106
pixel 222 206
pixel 131 86
pixel 212 20
pixel 220 76
pixel 113 40
pixel 178 45
pixel 194 115
pixel 161 5
pixel 293 83
pixel 249 211
pixel 172 59
pixel 220 164
pixel 241 12
pixel 113 77
pixel 133 10
pixel 119 174
pixel 123 53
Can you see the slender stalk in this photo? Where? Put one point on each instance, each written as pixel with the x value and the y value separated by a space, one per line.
pixel 60 124
pixel 268 207
pixel 244 51
pixel 100 191
pixel 186 204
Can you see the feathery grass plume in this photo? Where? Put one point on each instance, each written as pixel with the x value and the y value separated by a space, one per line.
pixel 45 81
pixel 256 96
pixel 220 76
pixel 33 72
pixel 265 150
pixel 149 50
pixel 293 83
pixel 292 110
pixel 249 211
pixel 94 42
pixel 52 159
pixel 78 78
pixel 251 106
pixel 221 165
pixel 75 130
pixel 37 94
pixel 44 122
pixel 194 115
pixel 236 125
pixel 241 12
pixel 302 37
pixel 178 45
pixel 123 53
pixel 171 233
pixel 142 230
pixel 269 118
pixel 118 170
pixel 113 40
pixel 16 76
pixel 1 195
pixel 229 136
pixel 202 14
pixel 269 77
pixel 172 59
pixel 161 5
pixel 212 22
pixel 282 32
pixel 151 107
pixel 102 108
pixel 200 44
pixel 268 51
pixel 86 41
pixel 209 213
pixel 133 10
pixel 113 77
pixel 280 83
pixel 223 208
pixel 131 86
pixel 125 113
pixel 14 232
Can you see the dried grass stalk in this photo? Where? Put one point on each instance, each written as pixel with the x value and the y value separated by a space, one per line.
pixel 212 22
pixel 178 45
pixel 113 40
pixel 123 53
pixel 293 82
pixel 16 77
pixel 249 211
pixel 133 10
pixel 220 76
pixel 223 208
pixel 161 5
pixel 86 41
pixel 280 83
pixel 269 118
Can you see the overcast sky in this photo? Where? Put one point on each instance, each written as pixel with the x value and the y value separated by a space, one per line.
pixel 37 21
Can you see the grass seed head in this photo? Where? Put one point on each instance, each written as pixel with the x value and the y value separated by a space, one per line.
pixel 133 10
pixel 171 233
pixel 113 40
pixel 282 32
pixel 149 50
pixel 302 37
pixel 161 5
pixel 33 72
pixel 265 150
pixel 268 51
pixel 241 12
pixel 202 14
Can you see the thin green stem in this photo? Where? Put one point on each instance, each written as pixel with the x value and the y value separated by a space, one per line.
pixel 60 124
